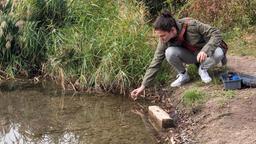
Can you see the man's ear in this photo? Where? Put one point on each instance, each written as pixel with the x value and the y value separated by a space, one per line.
pixel 173 29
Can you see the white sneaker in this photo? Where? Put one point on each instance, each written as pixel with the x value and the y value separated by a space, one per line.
pixel 181 79
pixel 204 75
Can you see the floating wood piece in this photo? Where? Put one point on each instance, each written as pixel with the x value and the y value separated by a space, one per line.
pixel 160 117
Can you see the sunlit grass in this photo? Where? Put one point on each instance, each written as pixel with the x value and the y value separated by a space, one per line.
pixel 242 42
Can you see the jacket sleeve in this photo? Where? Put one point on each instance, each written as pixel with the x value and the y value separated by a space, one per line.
pixel 211 35
pixel 154 65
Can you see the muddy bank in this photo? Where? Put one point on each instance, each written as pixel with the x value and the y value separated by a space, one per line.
pixel 226 117
pixel 220 119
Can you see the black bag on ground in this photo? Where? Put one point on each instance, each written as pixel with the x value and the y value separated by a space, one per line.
pixel 248 80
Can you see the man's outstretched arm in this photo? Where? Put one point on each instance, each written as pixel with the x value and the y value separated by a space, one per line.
pixel 151 71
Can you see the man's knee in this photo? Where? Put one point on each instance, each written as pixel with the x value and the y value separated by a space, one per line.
pixel 218 54
pixel 171 53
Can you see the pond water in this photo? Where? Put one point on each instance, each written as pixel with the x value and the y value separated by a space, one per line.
pixel 39 113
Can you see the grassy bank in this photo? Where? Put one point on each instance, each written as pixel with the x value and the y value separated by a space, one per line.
pixel 98 44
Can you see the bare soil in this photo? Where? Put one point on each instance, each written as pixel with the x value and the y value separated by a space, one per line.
pixel 235 123
pixel 223 120
pixel 245 64
pixel 225 117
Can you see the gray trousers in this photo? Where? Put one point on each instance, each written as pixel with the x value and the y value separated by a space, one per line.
pixel 177 56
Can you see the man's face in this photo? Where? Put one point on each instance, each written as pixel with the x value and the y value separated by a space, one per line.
pixel 165 36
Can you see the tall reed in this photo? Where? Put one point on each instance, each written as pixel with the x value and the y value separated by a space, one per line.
pixel 91 44
pixel 106 47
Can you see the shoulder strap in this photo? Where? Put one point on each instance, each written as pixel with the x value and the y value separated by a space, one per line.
pixel 224 45
pixel 181 37
pixel 183 30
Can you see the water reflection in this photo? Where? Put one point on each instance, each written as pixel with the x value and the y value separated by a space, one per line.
pixel 41 114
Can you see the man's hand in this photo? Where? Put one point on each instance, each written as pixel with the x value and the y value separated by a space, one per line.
pixel 135 93
pixel 201 56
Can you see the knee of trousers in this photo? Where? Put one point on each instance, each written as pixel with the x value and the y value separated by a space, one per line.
pixel 171 54
pixel 218 54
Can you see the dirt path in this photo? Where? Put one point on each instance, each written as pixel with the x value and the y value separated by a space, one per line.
pixel 244 64
pixel 233 122
pixel 226 117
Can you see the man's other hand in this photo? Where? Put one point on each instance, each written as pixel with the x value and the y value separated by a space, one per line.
pixel 201 56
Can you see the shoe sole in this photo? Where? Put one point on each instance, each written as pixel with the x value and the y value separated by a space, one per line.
pixel 207 81
pixel 181 83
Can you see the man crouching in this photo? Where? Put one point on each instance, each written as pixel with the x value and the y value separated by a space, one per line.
pixel 184 41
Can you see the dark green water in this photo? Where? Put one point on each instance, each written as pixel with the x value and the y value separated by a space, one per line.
pixel 41 114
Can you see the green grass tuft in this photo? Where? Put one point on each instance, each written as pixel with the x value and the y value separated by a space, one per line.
pixel 193 97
